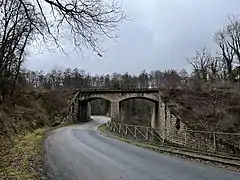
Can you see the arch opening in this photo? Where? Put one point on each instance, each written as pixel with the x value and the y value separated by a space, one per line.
pixel 138 110
pixel 97 106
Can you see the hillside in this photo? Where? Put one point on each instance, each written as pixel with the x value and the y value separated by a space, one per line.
pixel 213 110
pixel 29 110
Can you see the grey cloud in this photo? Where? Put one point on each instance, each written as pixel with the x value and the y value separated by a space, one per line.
pixel 162 34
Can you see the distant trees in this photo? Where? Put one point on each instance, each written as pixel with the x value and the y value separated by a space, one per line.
pixel 75 79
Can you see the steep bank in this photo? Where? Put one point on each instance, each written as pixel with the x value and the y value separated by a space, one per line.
pixel 26 111
pixel 211 110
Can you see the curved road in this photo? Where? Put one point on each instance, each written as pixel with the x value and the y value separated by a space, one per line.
pixel 80 152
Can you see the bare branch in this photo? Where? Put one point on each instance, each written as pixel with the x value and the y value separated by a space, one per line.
pixel 85 21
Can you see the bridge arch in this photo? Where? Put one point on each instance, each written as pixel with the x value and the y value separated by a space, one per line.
pixel 85 106
pixel 116 98
pixel 149 97
pixel 94 97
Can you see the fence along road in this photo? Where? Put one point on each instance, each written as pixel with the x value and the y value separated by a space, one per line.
pixel 215 143
pixel 81 152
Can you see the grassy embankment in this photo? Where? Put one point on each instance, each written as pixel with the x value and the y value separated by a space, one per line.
pixel 25 158
pixel 25 118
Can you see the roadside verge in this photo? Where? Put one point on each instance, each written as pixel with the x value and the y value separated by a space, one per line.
pixel 25 159
pixel 232 164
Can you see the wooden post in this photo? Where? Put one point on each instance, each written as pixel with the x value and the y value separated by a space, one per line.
pixel 147 133
pixel 135 132
pixel 164 134
pixel 185 139
pixel 239 143
pixel 119 128
pixel 73 112
pixel 214 141
pixel 126 130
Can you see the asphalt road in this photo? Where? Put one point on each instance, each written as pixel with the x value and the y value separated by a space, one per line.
pixel 80 152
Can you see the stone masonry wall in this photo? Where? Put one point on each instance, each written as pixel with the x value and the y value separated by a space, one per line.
pixel 172 129
pixel 169 126
pixel 115 111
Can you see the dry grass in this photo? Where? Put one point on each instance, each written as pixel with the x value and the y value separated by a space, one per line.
pixel 20 116
pixel 215 110
pixel 25 159
pixel 27 111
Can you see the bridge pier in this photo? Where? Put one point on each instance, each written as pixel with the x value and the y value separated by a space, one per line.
pixel 162 115
pixel 157 115
pixel 75 110
pixel 81 111
pixel 115 111
pixel 89 110
pixel 122 113
pixel 154 118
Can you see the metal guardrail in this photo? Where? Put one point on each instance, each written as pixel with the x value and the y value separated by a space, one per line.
pixel 219 143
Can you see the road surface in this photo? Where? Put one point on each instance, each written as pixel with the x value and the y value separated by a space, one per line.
pixel 80 152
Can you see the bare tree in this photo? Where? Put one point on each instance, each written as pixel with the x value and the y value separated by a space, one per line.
pixel 233 35
pixel 228 40
pixel 215 68
pixel 171 79
pixel 201 63
pixel 83 22
pixel 15 33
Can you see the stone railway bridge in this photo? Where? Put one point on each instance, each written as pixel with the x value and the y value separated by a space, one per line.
pixel 166 124
pixel 162 118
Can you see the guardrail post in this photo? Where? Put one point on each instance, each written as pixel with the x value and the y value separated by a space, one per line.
pixel 214 141
pixel 185 139
pixel 126 130
pixel 164 135
pixel 119 128
pixel 147 132
pixel 135 132
pixel 239 143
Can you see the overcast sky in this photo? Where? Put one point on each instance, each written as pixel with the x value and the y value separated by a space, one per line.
pixel 161 36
